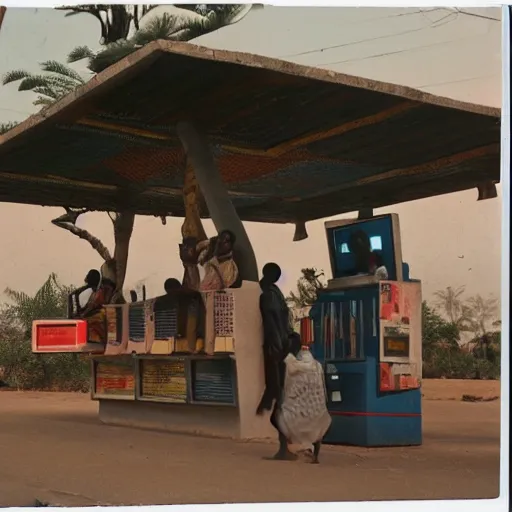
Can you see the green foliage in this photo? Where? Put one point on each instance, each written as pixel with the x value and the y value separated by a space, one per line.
pixel 436 330
pixel 214 19
pixel 165 27
pixel 5 127
pixel 50 301
pixel 20 367
pixel 112 53
pixel 116 23
pixel 56 81
pixel 444 357
pixel 308 286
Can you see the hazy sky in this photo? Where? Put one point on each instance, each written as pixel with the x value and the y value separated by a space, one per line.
pixel 450 240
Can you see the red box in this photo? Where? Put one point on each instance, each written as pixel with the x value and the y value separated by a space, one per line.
pixel 54 336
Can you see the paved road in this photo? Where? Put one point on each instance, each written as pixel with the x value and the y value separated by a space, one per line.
pixel 53 447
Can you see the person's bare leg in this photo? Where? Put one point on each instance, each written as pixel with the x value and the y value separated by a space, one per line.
pixel 316 452
pixel 283 453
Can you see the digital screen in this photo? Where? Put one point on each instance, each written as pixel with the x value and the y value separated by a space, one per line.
pixel 375 243
pixel 376 233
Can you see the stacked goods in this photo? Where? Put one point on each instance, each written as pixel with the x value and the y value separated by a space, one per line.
pixel 115 378
pixel 164 379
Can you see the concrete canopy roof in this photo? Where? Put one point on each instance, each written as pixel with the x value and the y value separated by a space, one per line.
pixel 292 142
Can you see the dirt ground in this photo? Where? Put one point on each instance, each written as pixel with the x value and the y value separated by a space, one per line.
pixel 453 389
pixel 53 448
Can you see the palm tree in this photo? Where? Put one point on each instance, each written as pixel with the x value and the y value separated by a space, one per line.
pixel 480 313
pixel 166 27
pixel 50 301
pixel 115 20
pixel 450 302
pixel 56 81
pixel 214 17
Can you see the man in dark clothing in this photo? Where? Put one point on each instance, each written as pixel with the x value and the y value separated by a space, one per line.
pixel 277 338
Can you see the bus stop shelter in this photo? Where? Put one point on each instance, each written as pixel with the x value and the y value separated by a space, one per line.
pixel 292 143
pixel 268 141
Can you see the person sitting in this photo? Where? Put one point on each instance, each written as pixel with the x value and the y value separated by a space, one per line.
pixel 377 267
pixel 360 246
pixel 171 285
pixel 94 312
pixel 187 305
pixel 78 299
pixel 134 296
pixel 216 256
pixel 189 256
pixel 302 416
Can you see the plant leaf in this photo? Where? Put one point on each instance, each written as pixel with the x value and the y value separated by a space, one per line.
pixel 53 66
pixel 14 76
pixel 80 53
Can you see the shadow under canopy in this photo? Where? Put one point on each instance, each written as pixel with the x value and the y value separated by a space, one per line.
pixel 292 143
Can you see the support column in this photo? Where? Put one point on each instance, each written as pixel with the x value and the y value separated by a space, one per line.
pixel 216 197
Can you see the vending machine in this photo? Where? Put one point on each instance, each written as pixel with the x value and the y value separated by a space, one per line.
pixel 366 331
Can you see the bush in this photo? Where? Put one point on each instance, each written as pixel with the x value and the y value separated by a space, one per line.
pixel 451 364
pixel 443 356
pixel 49 372
pixel 444 363
pixel 21 368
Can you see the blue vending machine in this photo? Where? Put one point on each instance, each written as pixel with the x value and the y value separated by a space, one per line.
pixel 367 333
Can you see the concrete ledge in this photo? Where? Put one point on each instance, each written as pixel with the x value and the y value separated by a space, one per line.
pixel 211 421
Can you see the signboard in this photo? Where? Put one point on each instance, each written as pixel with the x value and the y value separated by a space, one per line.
pixel 396 343
pixel 114 378
pixel 400 335
pixel 58 335
pixel 397 377
pixel 163 380
pixel 395 319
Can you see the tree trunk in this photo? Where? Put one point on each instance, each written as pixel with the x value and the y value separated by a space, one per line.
pixel 116 265
pixel 192 225
pixel 118 27
pixel 2 14
pixel 68 223
pixel 123 228
pixel 220 207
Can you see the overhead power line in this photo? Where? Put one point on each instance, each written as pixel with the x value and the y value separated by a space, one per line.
pixel 433 24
